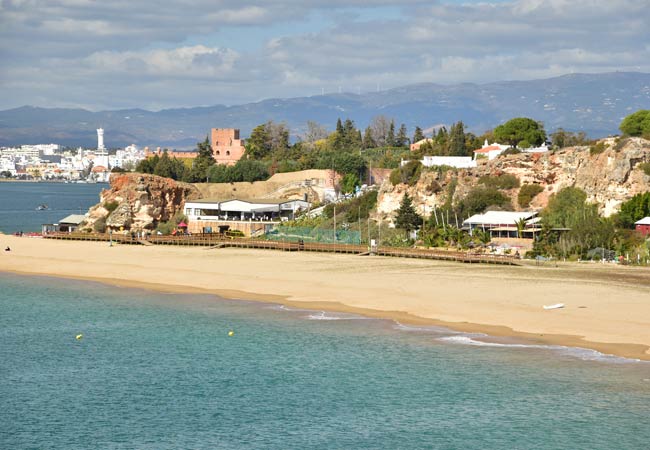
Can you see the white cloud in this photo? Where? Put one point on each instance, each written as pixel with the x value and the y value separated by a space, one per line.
pixel 153 54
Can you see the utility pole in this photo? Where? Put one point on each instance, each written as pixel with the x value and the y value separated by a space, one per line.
pixel 359 224
pixel 424 218
pixel 368 232
pixel 335 222
pixel 379 237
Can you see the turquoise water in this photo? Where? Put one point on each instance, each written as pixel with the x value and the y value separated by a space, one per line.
pixel 18 203
pixel 159 371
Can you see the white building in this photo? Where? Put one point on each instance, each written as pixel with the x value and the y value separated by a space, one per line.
pixel 504 223
pixel 128 157
pixel 7 164
pixel 253 216
pixel 491 151
pixel 459 162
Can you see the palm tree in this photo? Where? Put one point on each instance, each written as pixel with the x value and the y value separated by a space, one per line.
pixel 483 236
pixel 521 226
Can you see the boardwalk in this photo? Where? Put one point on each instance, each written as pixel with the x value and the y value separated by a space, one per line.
pixel 218 241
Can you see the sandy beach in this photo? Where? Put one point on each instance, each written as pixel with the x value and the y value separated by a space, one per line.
pixel 607 308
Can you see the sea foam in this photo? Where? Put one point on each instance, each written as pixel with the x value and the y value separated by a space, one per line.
pixel 577 352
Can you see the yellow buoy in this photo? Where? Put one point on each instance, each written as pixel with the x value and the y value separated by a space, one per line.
pixel 79 337
pixel 231 333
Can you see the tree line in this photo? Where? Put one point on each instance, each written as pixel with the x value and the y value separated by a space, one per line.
pixel 352 152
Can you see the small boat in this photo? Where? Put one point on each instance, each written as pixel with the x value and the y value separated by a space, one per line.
pixel 556 306
pixel 42 207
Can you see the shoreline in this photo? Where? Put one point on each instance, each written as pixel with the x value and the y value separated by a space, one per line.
pixel 374 292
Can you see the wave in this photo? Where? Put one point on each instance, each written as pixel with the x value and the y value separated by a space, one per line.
pixel 433 329
pixel 585 354
pixel 322 315
pixel 463 338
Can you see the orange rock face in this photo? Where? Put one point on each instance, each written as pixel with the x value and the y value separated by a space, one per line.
pixel 139 201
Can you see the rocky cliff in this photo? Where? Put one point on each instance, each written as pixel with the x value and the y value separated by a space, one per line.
pixel 609 178
pixel 137 201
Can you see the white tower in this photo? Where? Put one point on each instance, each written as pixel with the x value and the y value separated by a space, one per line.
pixel 100 139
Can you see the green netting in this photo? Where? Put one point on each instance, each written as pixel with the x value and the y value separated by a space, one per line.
pixel 306 234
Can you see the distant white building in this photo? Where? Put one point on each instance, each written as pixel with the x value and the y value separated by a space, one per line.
pixel 7 164
pixel 129 156
pixel 459 162
pixel 491 151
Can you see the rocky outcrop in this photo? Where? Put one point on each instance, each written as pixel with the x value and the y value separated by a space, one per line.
pixel 138 201
pixel 609 178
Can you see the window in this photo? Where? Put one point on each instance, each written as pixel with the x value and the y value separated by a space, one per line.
pixel 227 152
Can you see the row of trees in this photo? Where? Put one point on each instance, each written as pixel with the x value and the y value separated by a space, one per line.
pixel 351 152
pixel 177 169
pixel 454 142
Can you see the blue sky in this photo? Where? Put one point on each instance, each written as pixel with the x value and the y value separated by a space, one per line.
pixel 124 54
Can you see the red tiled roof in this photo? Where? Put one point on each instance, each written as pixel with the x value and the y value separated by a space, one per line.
pixel 487 149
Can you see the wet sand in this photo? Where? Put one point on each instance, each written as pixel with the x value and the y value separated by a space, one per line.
pixel 607 307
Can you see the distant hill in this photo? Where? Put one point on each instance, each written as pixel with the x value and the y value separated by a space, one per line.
pixel 578 102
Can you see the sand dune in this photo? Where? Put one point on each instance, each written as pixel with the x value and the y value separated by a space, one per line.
pixel 607 308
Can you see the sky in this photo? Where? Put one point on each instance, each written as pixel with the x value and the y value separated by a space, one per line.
pixel 115 54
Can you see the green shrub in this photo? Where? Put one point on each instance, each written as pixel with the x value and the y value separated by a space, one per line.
pixel 166 228
pixel 510 151
pixel 505 181
pixel 480 198
pixel 527 193
pixel 111 206
pixel 634 209
pixel 637 124
pixel 360 205
pixel 645 167
pixel 619 143
pixel 328 211
pixel 171 224
pixel 409 174
pixel 100 225
pixel 597 149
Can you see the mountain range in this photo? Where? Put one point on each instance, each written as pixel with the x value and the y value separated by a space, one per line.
pixel 593 103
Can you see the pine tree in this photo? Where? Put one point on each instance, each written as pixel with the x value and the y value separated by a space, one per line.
pixel 390 137
pixel 339 126
pixel 457 140
pixel 368 141
pixel 418 135
pixel 202 163
pixel 441 137
pixel 402 139
pixel 407 217
pixel 339 136
pixel 350 136
pixel 164 166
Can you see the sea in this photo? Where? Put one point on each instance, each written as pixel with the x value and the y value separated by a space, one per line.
pixel 19 202
pixel 85 365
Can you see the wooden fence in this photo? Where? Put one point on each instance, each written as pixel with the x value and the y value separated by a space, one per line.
pixel 220 241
